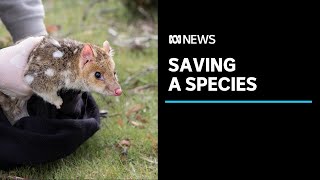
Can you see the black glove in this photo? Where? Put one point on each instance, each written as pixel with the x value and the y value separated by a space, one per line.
pixel 48 134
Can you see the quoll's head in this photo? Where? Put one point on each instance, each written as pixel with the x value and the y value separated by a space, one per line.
pixel 97 69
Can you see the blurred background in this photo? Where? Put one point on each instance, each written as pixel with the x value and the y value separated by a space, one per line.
pixel 126 146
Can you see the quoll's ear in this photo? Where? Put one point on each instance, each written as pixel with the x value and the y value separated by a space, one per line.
pixel 106 46
pixel 86 55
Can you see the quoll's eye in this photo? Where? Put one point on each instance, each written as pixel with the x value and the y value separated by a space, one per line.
pixel 98 75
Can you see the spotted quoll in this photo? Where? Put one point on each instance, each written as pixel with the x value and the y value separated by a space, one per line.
pixel 64 64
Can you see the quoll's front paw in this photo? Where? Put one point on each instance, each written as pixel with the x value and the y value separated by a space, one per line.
pixel 58 103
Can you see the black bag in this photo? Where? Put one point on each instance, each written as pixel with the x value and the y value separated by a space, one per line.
pixel 48 134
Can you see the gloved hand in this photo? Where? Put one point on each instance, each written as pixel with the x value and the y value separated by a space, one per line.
pixel 13 60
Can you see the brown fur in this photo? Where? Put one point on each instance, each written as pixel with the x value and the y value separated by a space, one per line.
pixel 57 64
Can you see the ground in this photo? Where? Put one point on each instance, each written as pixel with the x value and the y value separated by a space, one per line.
pixel 133 117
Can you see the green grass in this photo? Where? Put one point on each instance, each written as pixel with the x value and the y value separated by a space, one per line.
pixel 99 158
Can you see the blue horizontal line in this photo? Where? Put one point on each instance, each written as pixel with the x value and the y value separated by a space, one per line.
pixel 239 101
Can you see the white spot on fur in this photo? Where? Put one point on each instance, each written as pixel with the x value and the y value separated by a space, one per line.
pixel 38 58
pixel 29 79
pixel 55 42
pixel 75 51
pixel 57 54
pixel 35 74
pixel 67 81
pixel 42 45
pixel 49 72
pixel 68 64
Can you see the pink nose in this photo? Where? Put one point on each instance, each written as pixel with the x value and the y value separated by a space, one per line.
pixel 118 92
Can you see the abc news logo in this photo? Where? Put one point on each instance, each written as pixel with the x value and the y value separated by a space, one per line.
pixel 192 39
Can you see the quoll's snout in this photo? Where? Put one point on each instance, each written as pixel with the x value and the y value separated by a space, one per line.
pixel 117 92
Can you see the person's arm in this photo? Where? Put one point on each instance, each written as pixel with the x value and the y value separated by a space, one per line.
pixel 23 18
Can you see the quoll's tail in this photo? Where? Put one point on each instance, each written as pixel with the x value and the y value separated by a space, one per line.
pixel 13 108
